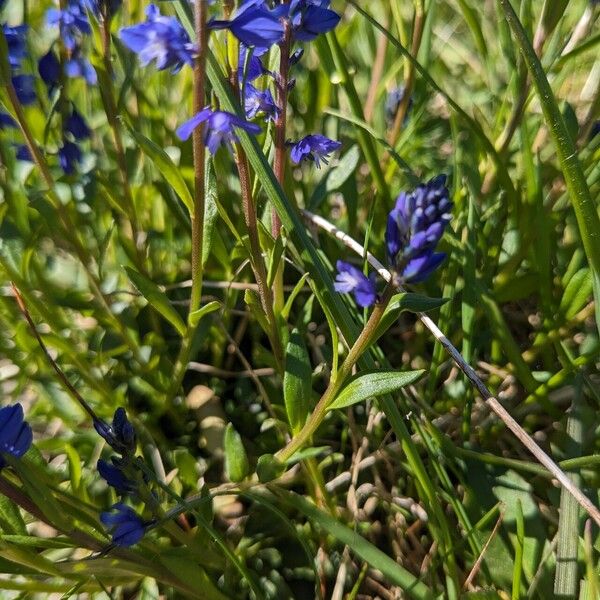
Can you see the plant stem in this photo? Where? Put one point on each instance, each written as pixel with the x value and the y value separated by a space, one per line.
pixel 256 259
pixel 111 113
pixel 282 82
pixel 410 74
pixel 197 218
pixel 336 383
pixel 199 154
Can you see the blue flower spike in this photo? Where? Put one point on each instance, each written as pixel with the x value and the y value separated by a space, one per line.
pixel 126 526
pixel 352 280
pixel 414 228
pixel 220 128
pixel 315 148
pixel 161 39
pixel 15 433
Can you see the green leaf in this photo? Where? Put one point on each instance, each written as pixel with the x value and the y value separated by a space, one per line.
pixel 253 301
pixel 392 571
pixel 11 520
pixel 269 468
pixel 405 301
pixel 195 317
pixel 576 294
pixel 376 383
pixel 34 480
pixel 310 452
pixel 166 166
pixel 236 461
pixel 188 571
pixel 297 386
pixel 285 313
pixel 156 298
pixel 210 210
pixel 275 259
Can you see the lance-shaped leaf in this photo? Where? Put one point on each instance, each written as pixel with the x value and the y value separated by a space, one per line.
pixel 297 381
pixel 156 298
pixel 372 384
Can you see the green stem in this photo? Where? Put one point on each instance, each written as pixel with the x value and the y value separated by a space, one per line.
pixel 419 23
pixel 337 382
pixel 258 264
pixel 199 155
pixel 279 163
pixel 197 217
pixel 111 114
pixel 281 120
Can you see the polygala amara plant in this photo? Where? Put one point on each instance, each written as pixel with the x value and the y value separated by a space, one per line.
pixel 212 387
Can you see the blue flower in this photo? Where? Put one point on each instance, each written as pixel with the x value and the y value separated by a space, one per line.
pixel 49 70
pixel 414 228
pixel 120 434
pixel 76 125
pixel 15 40
pixel 159 38
pixel 315 148
pixel 349 279
pixel 114 476
pixel 25 88
pixel 72 22
pixel 256 102
pixel 219 128
pixel 15 432
pixel 79 66
pixel 126 526
pixel 309 18
pixel 253 24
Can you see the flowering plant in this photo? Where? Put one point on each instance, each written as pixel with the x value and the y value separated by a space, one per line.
pixel 212 387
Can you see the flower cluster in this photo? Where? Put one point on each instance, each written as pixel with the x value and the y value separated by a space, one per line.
pixel 258 26
pixel 123 474
pixel 414 227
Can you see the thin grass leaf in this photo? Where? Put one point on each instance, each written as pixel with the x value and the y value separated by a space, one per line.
pixel 396 574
